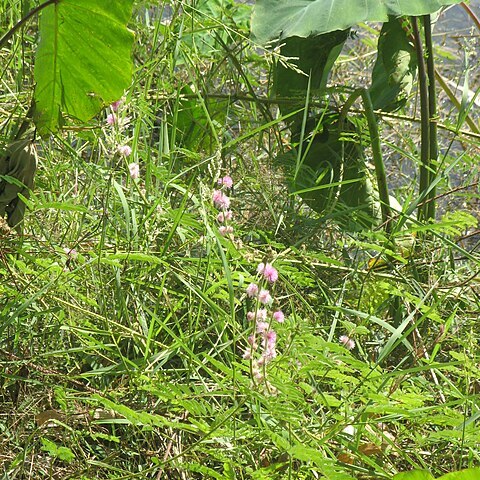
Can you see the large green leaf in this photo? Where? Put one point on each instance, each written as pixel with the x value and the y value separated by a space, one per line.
pixel 414 475
pixel 314 56
pixel 468 474
pixel 333 178
pixel 394 71
pixel 274 19
pixel 83 60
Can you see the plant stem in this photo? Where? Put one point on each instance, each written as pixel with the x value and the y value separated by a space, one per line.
pixel 376 150
pixel 471 14
pixel 24 20
pixel 378 160
pixel 425 122
pixel 433 117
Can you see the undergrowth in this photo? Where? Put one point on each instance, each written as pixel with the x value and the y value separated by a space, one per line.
pixel 124 305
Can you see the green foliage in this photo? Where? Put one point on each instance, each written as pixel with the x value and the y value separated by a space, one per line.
pixel 310 60
pixel 197 120
pixel 468 474
pixel 17 169
pixel 62 453
pixel 123 312
pixel 274 19
pixel 83 60
pixel 331 174
pixel 414 475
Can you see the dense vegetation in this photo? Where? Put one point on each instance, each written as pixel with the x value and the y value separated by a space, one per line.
pixel 208 280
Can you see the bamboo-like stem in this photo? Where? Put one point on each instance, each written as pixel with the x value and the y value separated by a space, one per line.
pixel 424 116
pixel 376 151
pixel 378 160
pixel 433 116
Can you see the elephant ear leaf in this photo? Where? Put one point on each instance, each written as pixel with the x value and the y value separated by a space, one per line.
pixel 83 61
pixel 394 71
pixel 280 19
pixel 309 59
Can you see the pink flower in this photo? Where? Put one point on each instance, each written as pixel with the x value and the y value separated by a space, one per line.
pixel 224 216
pixel 271 338
pixel 134 170
pixel 261 314
pixel 226 181
pixel 279 316
pixel 225 230
pixel 347 342
pixel 124 150
pixel 265 297
pixel 111 119
pixel 269 343
pixel 252 290
pixel 71 252
pixel 258 375
pixel 220 200
pixel 116 105
pixel 262 327
pixel 251 342
pixel 270 273
pixel 247 354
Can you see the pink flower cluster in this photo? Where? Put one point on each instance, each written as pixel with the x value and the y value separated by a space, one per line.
pixel 225 181
pixel 114 120
pixel 269 273
pixel 261 348
pixel 222 202
pixel 347 342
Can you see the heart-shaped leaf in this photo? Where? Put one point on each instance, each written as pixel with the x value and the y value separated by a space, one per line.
pixel 274 19
pixel 83 60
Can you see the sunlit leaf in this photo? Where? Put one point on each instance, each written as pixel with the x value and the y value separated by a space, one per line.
pixel 83 59
pixel 469 474
pixel 274 19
